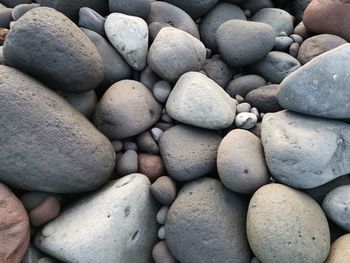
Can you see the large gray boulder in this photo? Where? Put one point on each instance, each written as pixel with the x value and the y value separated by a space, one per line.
pixel 303 151
pixel 46 144
pixel 206 223
pixel 115 224
pixel 321 87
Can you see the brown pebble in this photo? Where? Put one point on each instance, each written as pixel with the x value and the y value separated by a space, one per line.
pixel 3 34
pixel 46 211
pixel 151 165
pixel 161 254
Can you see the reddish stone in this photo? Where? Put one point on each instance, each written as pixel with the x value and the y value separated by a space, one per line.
pixel 45 212
pixel 14 227
pixel 151 165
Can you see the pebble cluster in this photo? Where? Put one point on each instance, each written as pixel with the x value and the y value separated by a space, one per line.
pixel 139 131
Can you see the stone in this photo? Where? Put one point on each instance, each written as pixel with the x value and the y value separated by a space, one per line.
pixel 130 145
pixel 283 43
pixel 85 102
pixel 338 22
pixel 336 205
pixel 161 254
pixel 303 151
pixel 32 255
pixel 13 3
pixel 69 61
pixel 129 35
pixel 90 19
pixel 245 120
pixel 46 143
pixel 199 101
pixel 116 68
pixel 117 145
pixel 140 8
pixel 294 49
pixel 298 8
pixel 188 152
pixel 127 164
pixel 243 43
pixel 47 260
pixel 5 17
pixel 126 109
pixel 241 163
pixel 161 91
pixel 156 133
pixel 146 143
pixel 206 221
pixel 194 8
pixel 286 225
pixel 255 5
pixel 264 98
pixel 244 84
pixel 120 218
pixel 30 200
pixel 14 227
pixel 301 30
pixel 340 250
pixel 148 77
pixel 45 212
pixel 296 38
pixel 161 233
pixel 216 69
pixel 280 20
pixel 21 9
pixel 3 35
pixel 218 15
pixel 162 214
pixel 175 52
pixel 164 190
pixel 164 14
pixel 276 66
pixel 317 45
pixel 324 89
pixel 151 165
pixel 243 107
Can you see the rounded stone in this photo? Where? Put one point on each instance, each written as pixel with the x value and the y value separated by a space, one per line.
pixel 69 62
pixel 151 165
pixel 126 109
pixel 194 8
pixel 164 190
pixel 127 164
pixel 146 143
pixel 340 250
pixel 90 19
pixel 243 107
pixel 286 225
pixel 294 49
pixel 283 43
pixel 21 9
pixel 161 233
pixel 45 212
pixel 140 8
pixel 162 214
pixel 32 255
pixel 31 200
pixel 301 30
pixel 216 69
pixel 242 43
pixel 161 90
pixel 47 143
pixel 244 84
pixel 241 162
pixel 188 152
pixel 13 3
pixel 156 133
pixel 206 221
pixel 85 102
pixel 245 120
pixel 255 5
pixel 161 254
pixel 264 98
pixel 5 17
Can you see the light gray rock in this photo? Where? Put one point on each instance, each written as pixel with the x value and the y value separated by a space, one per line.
pixel 161 233
pixel 286 225
pixel 162 214
pixel 241 163
pixel 303 151
pixel 127 164
pixel 156 133
pixel 296 38
pixel 175 52
pixel 244 84
pixel 243 107
pixel 140 8
pixel 129 35
pixel 126 109
pixel 47 145
pixel 188 152
pixel 90 19
pixel 282 43
pixel 118 219
pixel 199 101
pixel 206 221
pixel 245 120
pixel 21 9
pixel 337 206
pixel 85 102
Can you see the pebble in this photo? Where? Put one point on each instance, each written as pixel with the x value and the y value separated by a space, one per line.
pixel 255 111
pixel 127 164
pixel 156 133
pixel 216 69
pixel 126 109
pixel 164 190
pixel 85 102
pixel 20 10
pixel 13 3
pixel 240 45
pixel 30 200
pixel 340 250
pixel 301 30
pixel 244 84
pixel 111 219
pixel 129 35
pixel 161 233
pixel 151 165
pixel 32 255
pixel 207 221
pixel 294 49
pixel 5 17
pixel 194 8
pixel 241 163
pixel 162 214
pixel 199 101
pixel 256 130
pixel 146 143
pixel 129 145
pixel 286 225
pixel 3 35
pixel 90 19
pixel 264 98
pixel 245 120
pixel 336 205
pixel 161 254
pixel 255 5
pixel 161 91
pixel 243 107
pixel 45 211
pixel 303 151
pixel 166 118
pixel 117 145
pixel 140 8
pixel 188 152
pixel 14 227
pixel 283 43
pixel 296 38
pixel 148 77
pixel 239 99
pixel 171 45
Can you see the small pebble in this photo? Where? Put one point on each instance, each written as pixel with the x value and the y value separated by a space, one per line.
pixel 283 34
pixel 45 212
pixel 146 143
pixel 245 120
pixel 156 133
pixel 161 233
pixel 255 111
pixel 117 146
pixel 127 164
pixel 161 91
pixel 243 107
pixel 239 99
pixel 282 43
pixel 161 215
pixel 130 145
pixel 151 165
pixel 296 38
pixel 166 118
pixel 161 254
pixel 164 190
pixel 294 49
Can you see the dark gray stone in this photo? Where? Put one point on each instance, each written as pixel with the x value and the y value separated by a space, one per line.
pixel 216 69
pixel 90 19
pixel 255 5
pixel 161 91
pixel 47 145
pixel 21 9
pixel 5 17
pixel 298 8
pixel 85 103
pixel 244 84
pixel 164 190
pixel 207 221
pixel 127 164
pixel 264 98
pixel 146 143
pixel 140 8
pixel 31 200
pixel 13 3
pixel 69 61
pixel 149 78
pixel 194 8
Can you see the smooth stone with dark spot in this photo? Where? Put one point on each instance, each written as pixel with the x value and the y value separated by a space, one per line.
pixel 120 218
pixel 140 8
pixel 206 221
pixel 164 190
pixel 127 164
pixel 21 9
pixel 69 61
pixel 161 254
pixel 189 152
pixel 340 250
pixel 90 19
pixel 194 8
pixel 264 98
pixel 85 102
pixel 244 84
pixel 5 17
pixel 216 69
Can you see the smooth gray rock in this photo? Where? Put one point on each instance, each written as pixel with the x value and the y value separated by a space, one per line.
pixel 337 206
pixel 148 77
pixel 275 66
pixel 294 49
pixel 286 225
pixel 161 91
pixel 146 143
pixel 161 233
pixel 218 15
pixel 199 101
pixel 246 120
pixel 69 62
pixel 156 133
pixel 162 214
pixel 303 151
pixel 241 163
pixel 216 69
pixel 5 17
pixel 242 43
pixel 129 145
pixel 161 254
pixel 13 3
pixel 264 98
pixel 206 221
pixel 115 66
pixel 126 109
pixel 21 9
pixel 243 107
pixel 118 219
pixel 85 103
pixel 283 43
pixel 127 164
pixel 129 35
pixel 140 8
pixel 188 152
pixel 255 5
pixel 47 145
pixel 325 89
pixel 30 200
pixel 280 20
pixel 164 190
pixel 175 52
pixel 90 19
pixel 32 255
pixel 194 8
pixel 244 84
